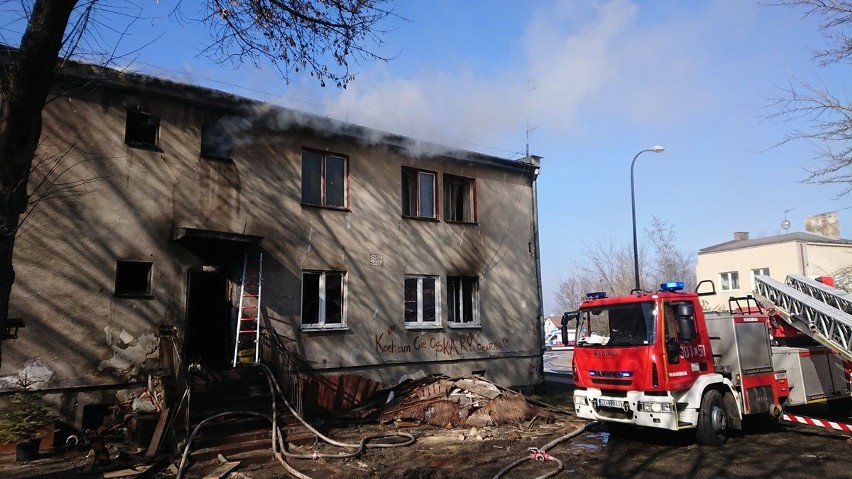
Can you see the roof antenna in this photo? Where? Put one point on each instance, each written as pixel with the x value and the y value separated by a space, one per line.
pixel 532 85
pixel 786 223
pixel 529 131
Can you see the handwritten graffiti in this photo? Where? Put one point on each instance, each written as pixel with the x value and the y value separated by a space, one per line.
pixel 440 344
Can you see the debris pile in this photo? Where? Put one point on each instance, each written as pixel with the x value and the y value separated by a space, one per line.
pixel 456 402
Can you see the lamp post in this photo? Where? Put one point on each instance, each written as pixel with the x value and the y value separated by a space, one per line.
pixel 655 149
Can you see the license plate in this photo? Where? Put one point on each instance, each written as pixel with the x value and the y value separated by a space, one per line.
pixel 609 403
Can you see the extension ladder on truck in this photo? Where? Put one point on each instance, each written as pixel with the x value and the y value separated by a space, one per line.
pixel 815 309
pixel 247 337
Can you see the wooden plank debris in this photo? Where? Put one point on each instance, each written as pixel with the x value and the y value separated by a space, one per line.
pixel 222 470
pixel 157 437
pixel 478 386
pixel 125 472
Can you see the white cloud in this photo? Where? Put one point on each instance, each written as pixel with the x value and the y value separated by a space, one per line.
pixel 565 61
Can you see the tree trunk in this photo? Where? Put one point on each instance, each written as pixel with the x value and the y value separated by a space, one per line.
pixel 23 91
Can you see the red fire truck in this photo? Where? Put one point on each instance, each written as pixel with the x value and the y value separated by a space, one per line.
pixel 656 359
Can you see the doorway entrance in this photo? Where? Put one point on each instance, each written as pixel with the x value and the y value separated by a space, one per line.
pixel 208 331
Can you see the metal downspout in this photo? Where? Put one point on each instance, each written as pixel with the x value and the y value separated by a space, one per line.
pixel 537 165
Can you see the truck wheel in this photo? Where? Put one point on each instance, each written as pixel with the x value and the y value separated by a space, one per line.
pixel 712 420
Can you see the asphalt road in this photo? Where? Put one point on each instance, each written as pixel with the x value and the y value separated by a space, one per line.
pixel 558 361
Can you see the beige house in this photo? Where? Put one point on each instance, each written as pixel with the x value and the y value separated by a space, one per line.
pixel 732 265
pixel 382 256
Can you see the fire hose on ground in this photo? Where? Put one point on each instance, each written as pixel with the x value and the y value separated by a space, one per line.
pixel 540 454
pixel 278 446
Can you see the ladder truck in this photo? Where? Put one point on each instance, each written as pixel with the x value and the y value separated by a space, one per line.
pixel 657 360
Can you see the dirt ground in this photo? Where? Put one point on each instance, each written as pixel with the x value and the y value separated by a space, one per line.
pixel 765 451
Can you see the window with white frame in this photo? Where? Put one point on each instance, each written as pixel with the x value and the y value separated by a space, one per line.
pixel 459 201
pixel 758 272
pixel 323 299
pixel 463 300
pixel 729 281
pixel 418 193
pixel 422 306
pixel 324 179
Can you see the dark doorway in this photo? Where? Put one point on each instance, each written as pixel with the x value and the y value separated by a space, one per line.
pixel 208 332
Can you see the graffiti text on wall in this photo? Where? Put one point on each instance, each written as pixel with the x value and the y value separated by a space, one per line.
pixel 440 344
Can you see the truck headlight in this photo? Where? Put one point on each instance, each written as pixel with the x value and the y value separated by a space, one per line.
pixel 656 407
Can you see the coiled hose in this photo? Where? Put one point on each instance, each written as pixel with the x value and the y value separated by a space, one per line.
pixel 278 446
pixel 540 454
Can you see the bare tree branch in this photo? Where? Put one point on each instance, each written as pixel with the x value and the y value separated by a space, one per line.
pixel 827 118
pixel 607 267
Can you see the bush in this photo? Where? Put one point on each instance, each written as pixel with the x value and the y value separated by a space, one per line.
pixel 24 418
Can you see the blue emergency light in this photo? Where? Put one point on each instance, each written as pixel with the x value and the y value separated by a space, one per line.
pixel 672 286
pixel 596 295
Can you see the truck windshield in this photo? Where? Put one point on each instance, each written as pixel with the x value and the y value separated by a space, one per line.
pixel 631 324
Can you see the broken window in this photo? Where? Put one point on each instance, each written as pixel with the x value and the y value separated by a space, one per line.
pixel 421 301
pixel 418 193
pixel 323 299
pixel 459 199
pixel 142 130
pixel 216 142
pixel 133 278
pixel 463 300
pixel 324 178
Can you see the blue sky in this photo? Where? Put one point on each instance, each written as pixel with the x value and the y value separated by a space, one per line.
pixel 596 82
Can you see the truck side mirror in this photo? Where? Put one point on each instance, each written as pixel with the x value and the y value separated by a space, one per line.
pixel 566 317
pixel 685 313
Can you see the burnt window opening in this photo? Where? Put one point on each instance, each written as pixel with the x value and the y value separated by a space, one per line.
pixel 463 300
pixel 422 307
pixel 324 179
pixel 142 130
pixel 418 193
pixel 217 143
pixel 459 199
pixel 133 278
pixel 323 299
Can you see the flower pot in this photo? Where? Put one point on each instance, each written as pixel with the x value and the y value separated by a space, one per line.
pixel 27 451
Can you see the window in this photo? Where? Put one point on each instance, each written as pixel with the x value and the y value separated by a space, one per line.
pixel 142 130
pixel 133 278
pixel 323 299
pixel 729 281
pixel 421 301
pixel 216 142
pixel 459 199
pixel 463 299
pixel 324 179
pixel 418 193
pixel 758 272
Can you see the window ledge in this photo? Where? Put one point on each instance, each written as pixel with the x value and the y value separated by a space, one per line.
pixel 144 146
pixel 419 218
pixel 324 207
pixel 308 329
pixel 134 295
pixel 415 327
pixel 464 326
pixel 463 223
pixel 220 159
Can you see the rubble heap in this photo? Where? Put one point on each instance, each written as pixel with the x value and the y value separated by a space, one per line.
pixel 455 402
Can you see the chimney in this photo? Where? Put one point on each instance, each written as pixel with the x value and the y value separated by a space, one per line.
pixel 740 235
pixel 825 224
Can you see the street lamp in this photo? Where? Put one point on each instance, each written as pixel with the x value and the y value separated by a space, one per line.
pixel 655 149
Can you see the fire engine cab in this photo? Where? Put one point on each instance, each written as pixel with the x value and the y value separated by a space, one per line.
pixel 656 359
